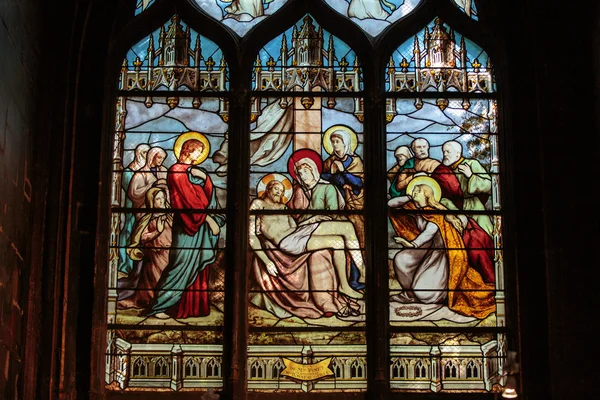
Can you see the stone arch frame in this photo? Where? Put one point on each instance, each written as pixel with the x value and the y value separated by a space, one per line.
pixel 365 48
pixel 83 278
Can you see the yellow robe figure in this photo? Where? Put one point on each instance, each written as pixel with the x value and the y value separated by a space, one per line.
pixel 478 300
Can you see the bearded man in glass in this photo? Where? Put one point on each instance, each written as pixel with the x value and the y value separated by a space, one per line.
pixel 295 240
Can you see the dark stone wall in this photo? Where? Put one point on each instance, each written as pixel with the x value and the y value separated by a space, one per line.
pixel 20 193
pixel 568 106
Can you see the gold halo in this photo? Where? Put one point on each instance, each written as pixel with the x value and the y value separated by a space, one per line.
pixel 425 180
pixel 184 137
pixel 327 143
pixel 287 185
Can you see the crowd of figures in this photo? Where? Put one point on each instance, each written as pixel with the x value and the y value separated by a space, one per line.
pixel 168 242
pixel 306 265
pixel 308 261
pixel 310 264
pixel 437 212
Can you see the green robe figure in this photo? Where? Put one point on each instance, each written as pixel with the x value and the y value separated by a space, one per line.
pixel 310 192
pixel 402 172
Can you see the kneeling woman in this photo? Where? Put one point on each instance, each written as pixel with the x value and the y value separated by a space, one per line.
pixel 433 266
pixel 149 247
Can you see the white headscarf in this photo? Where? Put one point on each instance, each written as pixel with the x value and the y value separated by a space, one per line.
pixel 139 160
pixel 315 171
pixel 405 150
pixel 346 139
pixel 152 153
pixel 313 167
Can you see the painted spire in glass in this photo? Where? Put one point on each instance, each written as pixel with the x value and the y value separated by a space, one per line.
pixel 174 57
pixel 440 59
pixel 307 58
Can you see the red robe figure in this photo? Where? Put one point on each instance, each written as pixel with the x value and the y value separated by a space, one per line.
pixel 182 291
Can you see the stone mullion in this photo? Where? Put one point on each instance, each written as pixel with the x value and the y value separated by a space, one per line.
pixel 236 326
pixel 376 239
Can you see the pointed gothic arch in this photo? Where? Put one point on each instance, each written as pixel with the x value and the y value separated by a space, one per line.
pixel 73 52
pixel 365 47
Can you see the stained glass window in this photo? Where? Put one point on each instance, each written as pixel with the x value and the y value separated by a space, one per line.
pixel 306 234
pixel 168 227
pixel 306 137
pixel 445 219
pixel 142 5
pixel 468 7
pixel 373 16
pixel 238 15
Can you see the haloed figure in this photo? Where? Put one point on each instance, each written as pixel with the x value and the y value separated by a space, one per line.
pixel 442 174
pixel 182 291
pixel 345 169
pixel 294 281
pixel 433 265
pixel 295 240
pixel 310 192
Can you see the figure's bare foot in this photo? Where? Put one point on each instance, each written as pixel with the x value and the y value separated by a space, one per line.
pixel 161 315
pixel 351 293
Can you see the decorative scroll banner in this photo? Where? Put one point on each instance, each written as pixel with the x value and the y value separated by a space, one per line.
pixel 307 372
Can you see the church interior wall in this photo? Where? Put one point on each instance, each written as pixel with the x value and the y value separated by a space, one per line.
pixel 20 190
